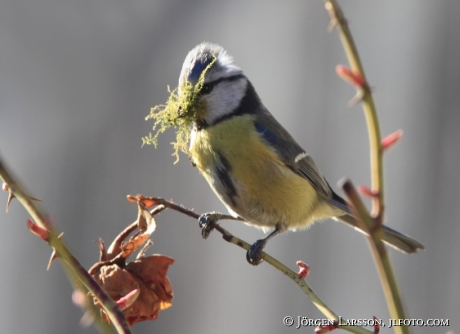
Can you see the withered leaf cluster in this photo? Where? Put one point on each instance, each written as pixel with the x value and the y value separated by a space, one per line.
pixel 140 288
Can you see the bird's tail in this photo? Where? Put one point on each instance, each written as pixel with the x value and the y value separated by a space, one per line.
pixel 392 237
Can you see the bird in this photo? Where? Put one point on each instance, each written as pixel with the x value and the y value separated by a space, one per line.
pixel 251 162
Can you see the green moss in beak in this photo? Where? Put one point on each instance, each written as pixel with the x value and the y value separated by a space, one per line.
pixel 181 111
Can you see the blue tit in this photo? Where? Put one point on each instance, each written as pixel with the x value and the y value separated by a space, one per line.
pixel 251 162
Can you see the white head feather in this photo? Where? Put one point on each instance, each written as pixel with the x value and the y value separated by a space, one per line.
pixel 226 95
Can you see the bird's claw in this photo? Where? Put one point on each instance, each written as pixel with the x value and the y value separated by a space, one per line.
pixel 205 222
pixel 255 251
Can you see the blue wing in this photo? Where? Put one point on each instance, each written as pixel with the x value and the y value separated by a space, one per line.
pixel 293 155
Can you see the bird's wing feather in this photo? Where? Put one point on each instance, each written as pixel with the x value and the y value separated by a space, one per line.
pixel 291 153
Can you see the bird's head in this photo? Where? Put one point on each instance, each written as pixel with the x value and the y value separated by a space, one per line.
pixel 210 88
pixel 215 83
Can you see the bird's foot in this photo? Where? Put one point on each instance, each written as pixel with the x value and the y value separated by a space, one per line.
pixel 254 253
pixel 206 220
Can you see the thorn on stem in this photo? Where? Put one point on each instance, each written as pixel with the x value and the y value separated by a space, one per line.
pixel 347 74
pixel 128 300
pixel 391 140
pixel 53 257
pixel 332 24
pixel 368 192
pixel 10 195
pixel 333 15
pixel 356 99
pixel 304 269
pixel 356 79
pixel 327 328
pixel 376 325
pixel 54 254
pixel 37 230
pixel 5 188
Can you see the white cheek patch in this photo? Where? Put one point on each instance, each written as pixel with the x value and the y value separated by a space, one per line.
pixel 300 157
pixel 224 99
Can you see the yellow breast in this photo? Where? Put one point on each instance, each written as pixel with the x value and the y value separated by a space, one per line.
pixel 268 191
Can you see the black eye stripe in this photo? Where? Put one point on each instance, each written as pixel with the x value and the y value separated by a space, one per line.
pixel 208 87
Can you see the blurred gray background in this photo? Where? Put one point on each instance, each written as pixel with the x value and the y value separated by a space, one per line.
pixel 77 79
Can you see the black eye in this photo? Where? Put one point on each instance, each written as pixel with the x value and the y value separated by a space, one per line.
pixel 206 89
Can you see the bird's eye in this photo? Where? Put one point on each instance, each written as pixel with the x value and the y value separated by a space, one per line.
pixel 206 89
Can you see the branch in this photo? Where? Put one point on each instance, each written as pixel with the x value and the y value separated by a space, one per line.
pixel 380 255
pixel 227 236
pixel 364 92
pixel 371 223
pixel 43 229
